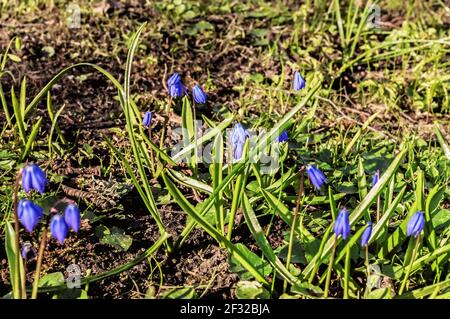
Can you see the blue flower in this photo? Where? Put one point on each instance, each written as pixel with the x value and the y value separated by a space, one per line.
pixel 375 178
pixel 238 137
pixel 366 234
pixel 342 224
pixel 299 81
pixel 147 120
pixel 28 252
pixel 72 217
pixel 175 86
pixel 316 177
pixel 199 95
pixel 58 228
pixel 29 214
pixel 33 177
pixel 415 224
pixel 283 137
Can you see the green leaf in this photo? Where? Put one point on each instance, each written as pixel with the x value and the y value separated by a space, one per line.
pixel 216 176
pixel 381 293
pixel 251 290
pixel 285 213
pixel 258 235
pixel 31 138
pixel 180 293
pixel 115 237
pixel 14 58
pixel 307 289
pixel 259 263
pixel 425 291
pixel 442 141
pixel 441 219
pixel 10 247
pixel 53 279
pixel 190 210
pixel 362 182
pixel 19 116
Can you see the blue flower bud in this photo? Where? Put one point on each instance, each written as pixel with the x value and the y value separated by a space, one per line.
pixel 342 224
pixel 366 234
pixel 147 120
pixel 28 252
pixel 283 137
pixel 29 214
pixel 175 86
pixel 199 95
pixel 238 137
pixel 299 81
pixel 33 177
pixel 58 228
pixel 174 79
pixel 316 177
pixel 72 217
pixel 415 224
pixel 375 178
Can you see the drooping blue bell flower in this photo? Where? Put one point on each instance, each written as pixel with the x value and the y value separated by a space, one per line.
pixel 238 137
pixel 147 119
pixel 342 224
pixel 199 95
pixel 375 178
pixel 33 177
pixel 59 228
pixel 175 86
pixel 415 224
pixel 283 137
pixel 316 177
pixel 366 234
pixel 299 81
pixel 29 214
pixel 72 217
pixel 28 252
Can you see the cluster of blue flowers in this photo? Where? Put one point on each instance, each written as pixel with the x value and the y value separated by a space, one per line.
pixel 177 89
pixel 29 213
pixel 342 224
pixel 239 134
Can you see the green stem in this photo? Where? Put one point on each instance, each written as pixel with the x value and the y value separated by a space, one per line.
pixel 152 159
pixel 17 293
pixel 408 270
pixel 234 204
pixel 294 222
pixel 367 261
pixel 166 120
pixel 347 272
pixel 330 267
pixel 39 264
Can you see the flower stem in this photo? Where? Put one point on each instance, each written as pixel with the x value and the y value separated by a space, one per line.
pixel 294 222
pixel 39 264
pixel 17 292
pixel 367 261
pixel 152 160
pixel 408 270
pixel 24 280
pixel 330 267
pixel 347 272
